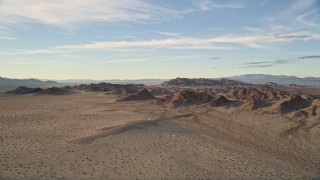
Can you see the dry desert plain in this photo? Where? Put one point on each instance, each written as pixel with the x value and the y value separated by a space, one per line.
pixel 98 135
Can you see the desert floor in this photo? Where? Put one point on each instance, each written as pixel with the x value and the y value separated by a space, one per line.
pixel 93 136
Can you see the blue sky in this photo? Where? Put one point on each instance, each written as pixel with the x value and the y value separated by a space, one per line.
pixel 138 39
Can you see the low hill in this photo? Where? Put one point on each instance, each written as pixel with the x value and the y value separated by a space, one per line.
pixel 57 91
pixel 293 104
pixel 25 90
pixel 221 101
pixel 186 98
pixel 140 96
pixel 119 88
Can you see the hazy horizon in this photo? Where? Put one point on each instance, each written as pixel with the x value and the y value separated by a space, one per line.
pixel 115 79
pixel 148 39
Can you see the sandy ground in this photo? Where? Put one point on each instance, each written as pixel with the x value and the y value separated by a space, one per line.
pixel 91 136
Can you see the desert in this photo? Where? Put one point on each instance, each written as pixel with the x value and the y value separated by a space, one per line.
pixel 182 129
pixel 159 89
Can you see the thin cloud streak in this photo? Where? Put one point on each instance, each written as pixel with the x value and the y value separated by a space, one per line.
pixel 256 41
pixel 162 43
pixel 206 5
pixel 297 35
pixel 256 63
pixel 266 64
pixel 7 38
pixel 39 51
pixel 216 58
pixel 28 62
pixel 258 66
pixel 22 62
pixel 169 34
pixel 310 57
pixel 70 12
pixel 123 61
pixel 303 18
pixel 149 58
pixel 214 43
pixel 284 61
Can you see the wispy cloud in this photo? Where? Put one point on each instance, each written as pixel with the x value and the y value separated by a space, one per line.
pixel 214 43
pixel 297 35
pixel 70 12
pixel 169 34
pixel 201 43
pixel 123 61
pixel 258 66
pixel 22 62
pixel 7 38
pixel 309 18
pixel 27 62
pixel 144 58
pixel 206 5
pixel 310 57
pixel 297 22
pixel 266 64
pixel 300 15
pixel 256 63
pixel 264 2
pixel 179 58
pixel 160 43
pixel 255 30
pixel 215 57
pixel 284 61
pixel 282 32
pixel 256 41
pixel 296 8
pixel 38 51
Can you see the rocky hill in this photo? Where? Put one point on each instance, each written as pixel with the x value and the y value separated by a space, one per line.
pixel 140 96
pixel 25 90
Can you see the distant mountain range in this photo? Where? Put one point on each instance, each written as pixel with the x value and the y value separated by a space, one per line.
pixel 247 78
pixel 114 81
pixel 202 82
pixel 24 81
pixel 279 79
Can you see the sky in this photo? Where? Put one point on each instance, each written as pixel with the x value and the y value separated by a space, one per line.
pixel 152 39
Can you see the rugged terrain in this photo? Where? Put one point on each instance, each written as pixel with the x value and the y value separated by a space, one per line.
pixel 184 131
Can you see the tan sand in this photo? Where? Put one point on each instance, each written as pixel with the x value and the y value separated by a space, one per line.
pixel 94 136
